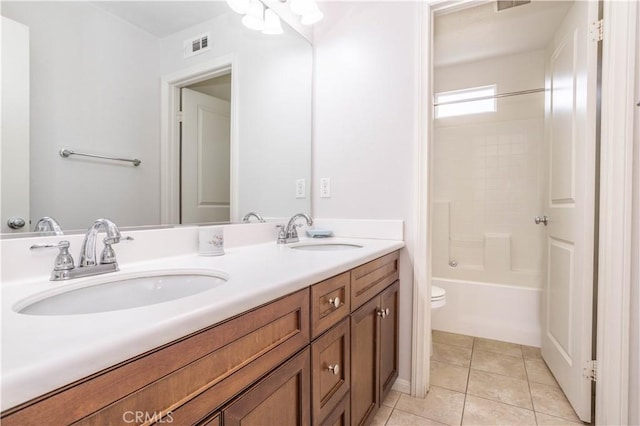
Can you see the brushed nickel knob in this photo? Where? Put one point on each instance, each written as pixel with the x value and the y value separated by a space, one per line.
pixel 335 302
pixel 16 222
pixel 541 219
pixel 383 312
pixel 335 369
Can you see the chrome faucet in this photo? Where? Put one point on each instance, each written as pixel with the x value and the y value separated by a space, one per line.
pixel 64 268
pixel 246 217
pixel 289 234
pixel 88 249
pixel 48 224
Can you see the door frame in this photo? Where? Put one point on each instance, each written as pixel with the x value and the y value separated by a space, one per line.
pixel 170 86
pixel 615 227
pixel 612 392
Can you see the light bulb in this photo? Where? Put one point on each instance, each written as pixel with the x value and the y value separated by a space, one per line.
pixel 271 23
pixel 239 6
pixel 254 19
pixel 312 16
pixel 302 7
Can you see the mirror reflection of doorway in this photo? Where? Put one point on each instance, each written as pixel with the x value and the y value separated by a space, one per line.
pixel 205 151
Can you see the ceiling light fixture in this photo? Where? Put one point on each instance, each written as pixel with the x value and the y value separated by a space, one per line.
pixel 272 24
pixel 261 18
pixel 254 19
pixel 239 6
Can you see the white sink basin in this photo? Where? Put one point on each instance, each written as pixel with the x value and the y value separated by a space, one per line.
pixel 105 294
pixel 325 246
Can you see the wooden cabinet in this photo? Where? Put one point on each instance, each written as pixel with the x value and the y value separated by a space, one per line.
pixel 374 354
pixel 341 414
pixel 389 299
pixel 326 355
pixel 331 376
pixel 330 302
pixel 371 278
pixel 282 398
pixel 188 378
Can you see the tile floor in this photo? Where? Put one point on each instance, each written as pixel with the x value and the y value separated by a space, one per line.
pixel 477 381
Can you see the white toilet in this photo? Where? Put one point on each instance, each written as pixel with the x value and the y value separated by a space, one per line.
pixel 438 297
pixel 438 300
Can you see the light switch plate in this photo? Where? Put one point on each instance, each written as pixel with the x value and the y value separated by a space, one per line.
pixel 325 187
pixel 301 190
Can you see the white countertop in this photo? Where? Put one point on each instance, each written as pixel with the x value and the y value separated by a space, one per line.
pixel 43 353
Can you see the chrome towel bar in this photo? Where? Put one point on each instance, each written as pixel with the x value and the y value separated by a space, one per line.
pixel 67 152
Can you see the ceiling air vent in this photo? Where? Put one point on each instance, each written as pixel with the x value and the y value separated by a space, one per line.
pixel 196 46
pixel 508 4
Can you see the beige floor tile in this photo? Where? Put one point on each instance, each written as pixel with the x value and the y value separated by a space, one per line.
pixel 400 418
pixel 498 347
pixel 381 417
pixel 441 405
pixel 392 398
pixel 538 372
pixel 550 400
pixel 449 376
pixel 546 420
pixel 500 388
pixel 479 411
pixel 499 364
pixel 450 354
pixel 452 338
pixel 530 352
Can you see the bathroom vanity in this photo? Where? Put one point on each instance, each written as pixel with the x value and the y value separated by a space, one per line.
pixel 324 352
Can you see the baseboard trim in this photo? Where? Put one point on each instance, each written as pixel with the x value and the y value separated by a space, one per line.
pixel 403 386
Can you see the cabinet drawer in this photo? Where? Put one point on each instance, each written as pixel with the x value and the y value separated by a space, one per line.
pixel 371 278
pixel 331 361
pixel 341 414
pixel 324 297
pixel 247 347
pixel 282 398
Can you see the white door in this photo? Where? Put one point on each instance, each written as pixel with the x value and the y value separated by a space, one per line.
pixel 205 162
pixel 14 148
pixel 570 146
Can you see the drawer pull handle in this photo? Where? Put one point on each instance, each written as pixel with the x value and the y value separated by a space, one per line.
pixel 335 369
pixel 383 312
pixel 335 302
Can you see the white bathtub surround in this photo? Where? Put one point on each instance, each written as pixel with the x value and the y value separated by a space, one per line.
pixel 259 270
pixel 494 311
pixel 488 258
pixel 489 174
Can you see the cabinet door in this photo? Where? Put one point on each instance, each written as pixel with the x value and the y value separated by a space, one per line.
pixel 389 300
pixel 282 398
pixel 364 362
pixel 330 358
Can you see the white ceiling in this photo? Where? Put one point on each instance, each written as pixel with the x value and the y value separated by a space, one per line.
pixel 162 18
pixel 479 32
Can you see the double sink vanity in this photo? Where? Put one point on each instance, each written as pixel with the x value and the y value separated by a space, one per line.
pixel 301 333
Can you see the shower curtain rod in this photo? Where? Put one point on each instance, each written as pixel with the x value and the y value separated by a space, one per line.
pixel 482 98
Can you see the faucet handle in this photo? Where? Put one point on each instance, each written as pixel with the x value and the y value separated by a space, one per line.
pixel 64 260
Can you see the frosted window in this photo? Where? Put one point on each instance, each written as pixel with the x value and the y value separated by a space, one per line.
pixel 465 108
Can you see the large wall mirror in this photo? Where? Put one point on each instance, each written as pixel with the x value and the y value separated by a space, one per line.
pixel 218 115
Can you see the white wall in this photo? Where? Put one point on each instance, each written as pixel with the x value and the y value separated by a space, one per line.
pixel 274 100
pixel 72 107
pixel 489 175
pixel 366 71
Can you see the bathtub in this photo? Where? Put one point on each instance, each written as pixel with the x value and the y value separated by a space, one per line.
pixel 494 311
